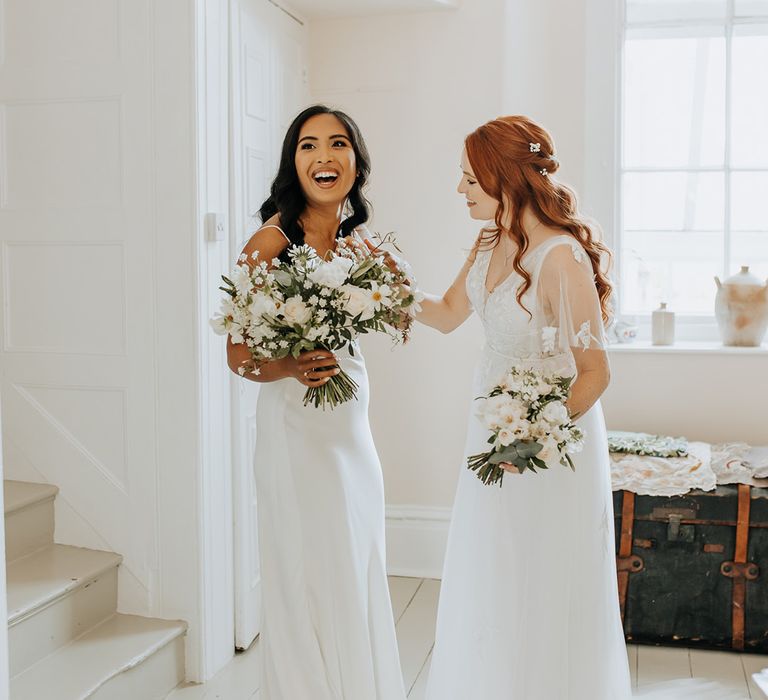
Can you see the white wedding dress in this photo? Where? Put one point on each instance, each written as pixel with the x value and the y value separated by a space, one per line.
pixel 328 631
pixel 529 601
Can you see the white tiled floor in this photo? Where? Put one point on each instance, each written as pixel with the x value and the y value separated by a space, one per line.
pixel 414 602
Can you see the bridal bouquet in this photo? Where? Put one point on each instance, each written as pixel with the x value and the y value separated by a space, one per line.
pixel 311 303
pixel 529 423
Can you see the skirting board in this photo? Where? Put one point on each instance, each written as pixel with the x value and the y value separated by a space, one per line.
pixel 416 540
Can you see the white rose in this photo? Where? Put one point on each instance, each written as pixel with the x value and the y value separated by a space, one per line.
pixel 358 302
pixel 549 453
pixel 296 311
pixel 506 437
pixel 332 274
pixel 262 304
pixel 521 428
pixel 512 382
pixel 555 413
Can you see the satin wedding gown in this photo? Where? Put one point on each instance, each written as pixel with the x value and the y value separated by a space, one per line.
pixel 529 604
pixel 328 631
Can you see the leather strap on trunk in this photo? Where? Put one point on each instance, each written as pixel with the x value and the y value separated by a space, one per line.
pixel 739 569
pixel 626 563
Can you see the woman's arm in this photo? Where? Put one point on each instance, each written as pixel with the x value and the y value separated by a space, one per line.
pixel 567 282
pixel 447 312
pixel 594 375
pixel 311 368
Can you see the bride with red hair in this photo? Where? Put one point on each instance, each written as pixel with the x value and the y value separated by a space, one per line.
pixel 529 606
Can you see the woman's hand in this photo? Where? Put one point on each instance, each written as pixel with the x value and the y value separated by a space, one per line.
pixel 509 467
pixel 390 262
pixel 313 367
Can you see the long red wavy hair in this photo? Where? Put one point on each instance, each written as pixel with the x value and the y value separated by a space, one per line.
pixel 508 170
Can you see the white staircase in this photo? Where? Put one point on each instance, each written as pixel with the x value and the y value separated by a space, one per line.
pixel 66 640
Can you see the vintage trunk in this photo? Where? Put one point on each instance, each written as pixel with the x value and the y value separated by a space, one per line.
pixel 693 569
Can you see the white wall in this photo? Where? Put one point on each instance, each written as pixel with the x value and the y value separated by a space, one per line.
pixel 709 396
pixel 417 84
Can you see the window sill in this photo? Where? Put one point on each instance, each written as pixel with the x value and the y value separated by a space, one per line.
pixel 685 347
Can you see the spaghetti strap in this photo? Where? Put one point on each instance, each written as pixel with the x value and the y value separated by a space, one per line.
pixel 285 235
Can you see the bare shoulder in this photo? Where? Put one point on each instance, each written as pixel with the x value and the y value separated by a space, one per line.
pixel 268 242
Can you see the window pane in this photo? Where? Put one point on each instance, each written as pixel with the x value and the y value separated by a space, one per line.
pixel 664 10
pixel 751 8
pixel 749 192
pixel 670 266
pixel 749 222
pixel 749 133
pixel 675 201
pixel 674 101
pixel 750 249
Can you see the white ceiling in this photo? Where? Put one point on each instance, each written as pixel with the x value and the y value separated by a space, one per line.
pixel 320 9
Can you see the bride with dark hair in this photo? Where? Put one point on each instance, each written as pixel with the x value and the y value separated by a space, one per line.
pixel 328 631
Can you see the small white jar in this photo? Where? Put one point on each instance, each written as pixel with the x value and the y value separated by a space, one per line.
pixel 663 326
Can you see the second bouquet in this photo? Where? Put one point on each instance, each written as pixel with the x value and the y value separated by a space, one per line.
pixel 529 425
pixel 309 303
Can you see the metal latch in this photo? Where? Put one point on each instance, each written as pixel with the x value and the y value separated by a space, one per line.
pixel 677 532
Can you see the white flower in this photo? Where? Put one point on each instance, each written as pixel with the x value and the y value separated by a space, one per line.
pixel 241 278
pixel 550 453
pixel 318 332
pixel 220 324
pixel 534 147
pixel 506 437
pixel 380 295
pixel 332 274
pixel 296 311
pixel 555 413
pixel 512 413
pixel 262 304
pixel 358 302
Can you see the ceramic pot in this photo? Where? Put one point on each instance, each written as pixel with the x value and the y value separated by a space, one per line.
pixel 741 309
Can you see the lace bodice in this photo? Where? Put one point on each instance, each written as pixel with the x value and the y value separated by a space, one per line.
pixel 554 329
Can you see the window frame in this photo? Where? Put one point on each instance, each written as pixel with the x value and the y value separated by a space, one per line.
pixel 690 327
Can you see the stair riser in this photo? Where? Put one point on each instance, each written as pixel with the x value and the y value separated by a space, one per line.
pixel 29 529
pixel 47 629
pixel 152 679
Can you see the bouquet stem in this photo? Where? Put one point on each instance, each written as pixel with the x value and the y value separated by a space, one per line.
pixel 488 473
pixel 338 389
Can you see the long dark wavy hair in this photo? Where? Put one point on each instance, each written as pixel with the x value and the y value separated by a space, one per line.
pixel 286 196
pixel 512 157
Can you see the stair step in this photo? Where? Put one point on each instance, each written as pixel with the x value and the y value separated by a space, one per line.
pixel 125 658
pixel 28 517
pixel 54 595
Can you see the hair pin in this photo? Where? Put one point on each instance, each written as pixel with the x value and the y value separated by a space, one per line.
pixel 544 172
pixel 535 147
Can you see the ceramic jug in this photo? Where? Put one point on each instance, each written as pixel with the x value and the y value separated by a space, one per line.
pixel 741 309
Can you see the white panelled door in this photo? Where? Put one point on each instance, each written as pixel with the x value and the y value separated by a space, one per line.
pixel 268 88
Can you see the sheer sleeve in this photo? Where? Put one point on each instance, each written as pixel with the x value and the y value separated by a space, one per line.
pixel 568 301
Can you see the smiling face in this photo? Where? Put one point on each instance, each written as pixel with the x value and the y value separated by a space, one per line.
pixel 325 160
pixel 481 205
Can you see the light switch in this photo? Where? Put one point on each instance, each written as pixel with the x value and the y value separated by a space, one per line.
pixel 214 226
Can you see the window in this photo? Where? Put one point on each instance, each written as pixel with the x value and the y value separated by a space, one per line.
pixel 694 142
